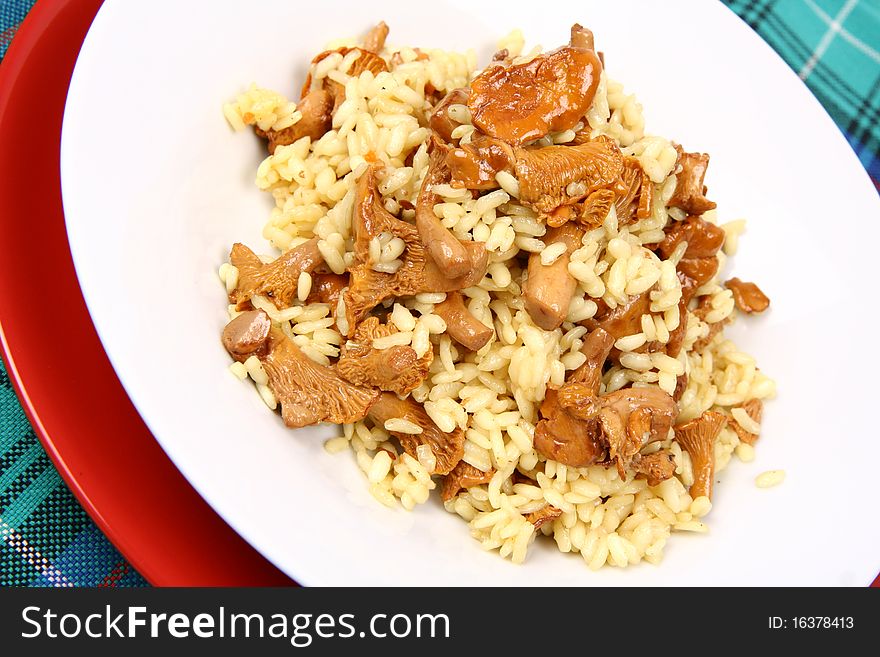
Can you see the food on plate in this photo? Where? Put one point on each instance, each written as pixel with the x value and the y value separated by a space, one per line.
pixel 502 288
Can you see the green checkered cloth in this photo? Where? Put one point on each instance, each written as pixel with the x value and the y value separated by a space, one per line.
pixel 48 540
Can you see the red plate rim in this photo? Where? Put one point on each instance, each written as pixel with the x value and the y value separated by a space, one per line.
pixel 76 404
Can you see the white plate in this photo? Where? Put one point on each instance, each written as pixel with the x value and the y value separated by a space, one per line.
pixel 157 187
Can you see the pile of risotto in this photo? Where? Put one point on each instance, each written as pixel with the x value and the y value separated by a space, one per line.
pixel 499 287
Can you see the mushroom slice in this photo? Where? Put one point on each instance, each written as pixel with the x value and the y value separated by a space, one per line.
pixel 317 117
pixel 626 319
pixel 596 347
pixel 681 382
pixel 595 208
pixel 462 477
pixel 326 288
pixel 698 438
pixel 417 273
pixel 543 515
pixel 308 392
pixel 714 329
pixel 754 408
pixel 375 39
pixel 523 102
pixel 549 288
pixel 634 193
pixel 445 248
pixel 474 165
pixel 689 194
pixel 655 467
pixel 562 175
pixel 633 417
pixel 440 121
pixel 434 280
pixel 461 325
pixel 560 435
pixel 581 37
pixel 748 297
pixel 703 238
pixel 448 448
pixel 278 280
pixel 247 335
pixel 367 60
pixel 395 369
pixel 368 287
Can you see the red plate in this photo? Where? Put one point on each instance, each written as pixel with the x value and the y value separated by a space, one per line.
pixel 87 424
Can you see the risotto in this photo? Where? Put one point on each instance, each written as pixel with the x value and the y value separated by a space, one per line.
pixel 502 289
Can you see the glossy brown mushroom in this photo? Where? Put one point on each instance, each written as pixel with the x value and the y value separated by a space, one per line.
pixel 396 369
pixel 462 477
pixel 279 279
pixel 697 437
pixel 448 448
pixel 523 102
pixel 461 325
pixel 549 288
pixel 748 297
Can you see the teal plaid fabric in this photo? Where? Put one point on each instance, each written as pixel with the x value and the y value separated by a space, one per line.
pixel 46 539
pixel 834 45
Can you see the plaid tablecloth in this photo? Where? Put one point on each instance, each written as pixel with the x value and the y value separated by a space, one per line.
pixel 45 536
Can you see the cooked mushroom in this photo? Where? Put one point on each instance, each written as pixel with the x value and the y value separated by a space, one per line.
pixel 703 238
pixel 698 438
pixel 561 436
pixel 463 476
pixel 417 273
pixel 633 417
pixel 326 288
pixel 523 102
pixel 474 165
pixel 553 176
pixel 549 288
pixel 247 335
pixel 278 280
pixel 395 369
pixel 317 117
pixel 655 467
pixel 308 392
pixel 375 39
pixel 367 60
pixel 626 319
pixel 445 249
pixel 754 408
pixel 440 121
pixel 367 287
pixel 676 336
pixel 543 515
pixel 579 427
pixel 714 329
pixel 634 193
pixel 581 37
pixel 434 280
pixel 690 191
pixel 596 348
pixel 681 382
pixel 748 297
pixel 461 325
pixel 592 213
pixel 448 448
pixel 699 262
